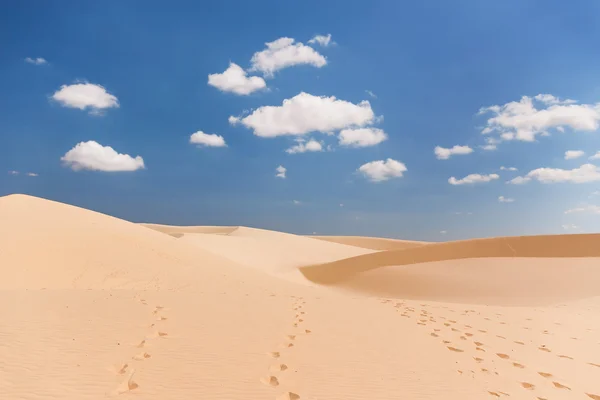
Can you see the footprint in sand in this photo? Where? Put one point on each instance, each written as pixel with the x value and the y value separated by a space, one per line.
pixel 288 396
pixel 278 368
pixel 593 396
pixel 141 356
pixel 307 331
pixel 275 354
pixel 545 374
pixel 517 342
pixel 567 357
pixel 594 365
pixel 517 365
pixel 128 384
pixel 123 369
pixel 544 348
pixel 270 380
pixel 454 349
pixel 141 344
pixel 560 386
pixel 527 385
pixel 503 356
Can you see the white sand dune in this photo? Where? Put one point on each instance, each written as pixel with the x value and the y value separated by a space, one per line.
pixel 372 242
pixel 96 307
pixel 276 253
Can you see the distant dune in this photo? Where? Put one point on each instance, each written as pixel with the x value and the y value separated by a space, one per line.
pixel 511 269
pixel 372 242
pixel 97 307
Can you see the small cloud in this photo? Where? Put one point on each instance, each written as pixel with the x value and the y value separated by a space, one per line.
pixel 323 40
pixel 472 179
pixel 341 204
pixel 443 232
pixel 362 137
pixel 236 80
pixel 303 147
pixel 503 168
pixel 85 96
pixel 281 170
pixel 595 156
pixel 208 140
pixel 283 53
pixel 36 61
pixel 573 154
pixel 379 171
pixel 569 227
pixel 373 95
pixel 32 174
pixel 442 153
pixel 503 199
pixel 297 202
pixel 93 156
pixel 589 209
pixel 584 174
pixel 13 172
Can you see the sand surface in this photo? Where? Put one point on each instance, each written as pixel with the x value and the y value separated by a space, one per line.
pixel 96 307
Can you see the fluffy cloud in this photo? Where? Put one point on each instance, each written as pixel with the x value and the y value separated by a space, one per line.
pixel 13 172
pixel 95 157
pixel 503 199
pixel 443 232
pixel 572 154
pixel 208 140
pixel 361 137
pixel 323 40
pixel 491 144
pixel 472 179
pixel 378 171
pixel 442 153
pixel 591 209
pixel 36 61
pixel 306 113
pixel 84 96
pixel 585 173
pixel 281 170
pixel 503 168
pixel 303 147
pixel 236 80
pixel 32 174
pixel 297 202
pixel 284 53
pixel 523 120
pixel 595 156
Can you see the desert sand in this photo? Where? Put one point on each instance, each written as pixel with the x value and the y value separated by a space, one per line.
pixel 97 307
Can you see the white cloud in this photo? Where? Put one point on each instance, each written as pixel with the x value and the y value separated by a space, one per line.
pixel 323 40
pixel 523 120
pixel 32 174
pixel 281 170
pixel 596 193
pixel 569 227
pixel 572 154
pixel 503 199
pixel 589 209
pixel 208 140
pixel 13 172
pixel 303 147
pixel 373 95
pixel 503 168
pixel 306 113
pixel 284 53
pixel 341 204
pixel 443 232
pixel 36 61
pixel 378 171
pixel 491 144
pixel 585 173
pixel 442 153
pixel 297 202
pixel 93 156
pixel 361 137
pixel 595 156
pixel 85 95
pixel 236 80
pixel 472 179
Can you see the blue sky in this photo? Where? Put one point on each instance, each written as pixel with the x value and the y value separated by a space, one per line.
pixel 133 76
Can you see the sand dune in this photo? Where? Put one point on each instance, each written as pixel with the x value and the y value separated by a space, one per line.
pixel 372 242
pixel 506 270
pixel 97 307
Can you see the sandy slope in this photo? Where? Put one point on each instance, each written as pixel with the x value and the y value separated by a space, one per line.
pixel 272 252
pixel 96 307
pixel 372 242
